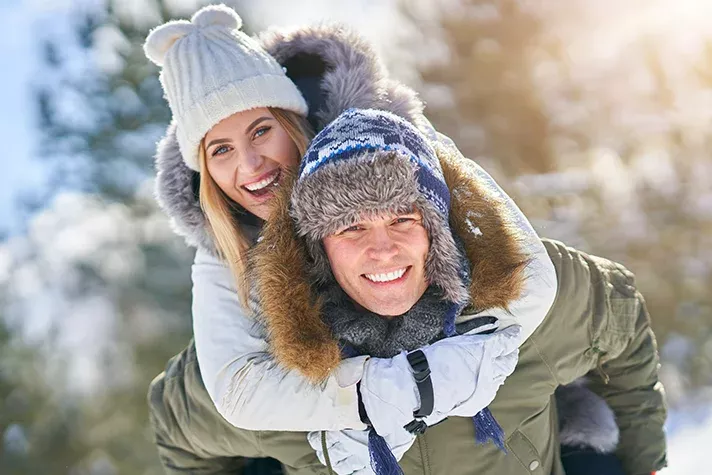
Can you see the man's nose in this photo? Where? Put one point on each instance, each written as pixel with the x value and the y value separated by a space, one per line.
pixel 381 245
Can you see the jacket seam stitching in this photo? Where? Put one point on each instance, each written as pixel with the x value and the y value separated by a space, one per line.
pixel 514 452
pixel 543 358
pixel 422 445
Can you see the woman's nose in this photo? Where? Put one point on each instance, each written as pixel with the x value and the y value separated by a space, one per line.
pixel 251 161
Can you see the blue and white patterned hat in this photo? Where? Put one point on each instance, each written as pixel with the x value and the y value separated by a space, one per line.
pixel 369 163
pixel 359 130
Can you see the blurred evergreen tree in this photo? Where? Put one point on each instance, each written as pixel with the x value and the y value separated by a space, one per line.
pixel 494 112
pixel 40 432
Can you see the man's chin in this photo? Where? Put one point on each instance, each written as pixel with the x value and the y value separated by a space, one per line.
pixel 389 309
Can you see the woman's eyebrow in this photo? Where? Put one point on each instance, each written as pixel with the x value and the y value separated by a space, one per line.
pixel 247 130
pixel 255 123
pixel 217 142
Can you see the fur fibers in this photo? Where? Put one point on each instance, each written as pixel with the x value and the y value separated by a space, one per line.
pixel 373 184
pixel 354 77
pixel 280 263
pixel 585 420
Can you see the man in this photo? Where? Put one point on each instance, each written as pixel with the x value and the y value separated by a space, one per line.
pixel 597 326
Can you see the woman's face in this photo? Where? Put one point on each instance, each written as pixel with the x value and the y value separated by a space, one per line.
pixel 245 155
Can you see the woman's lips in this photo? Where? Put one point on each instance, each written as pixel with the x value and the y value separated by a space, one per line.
pixel 265 184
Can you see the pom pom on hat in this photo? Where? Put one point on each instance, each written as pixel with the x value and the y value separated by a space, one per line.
pixel 217 15
pixel 160 39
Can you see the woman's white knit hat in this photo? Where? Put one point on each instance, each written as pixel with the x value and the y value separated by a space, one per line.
pixel 211 70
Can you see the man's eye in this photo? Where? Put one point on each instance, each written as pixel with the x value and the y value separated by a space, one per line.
pixel 404 221
pixel 351 229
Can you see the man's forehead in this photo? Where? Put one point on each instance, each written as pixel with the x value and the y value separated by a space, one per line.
pixel 386 215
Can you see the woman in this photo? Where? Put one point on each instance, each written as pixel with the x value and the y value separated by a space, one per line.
pixel 232 352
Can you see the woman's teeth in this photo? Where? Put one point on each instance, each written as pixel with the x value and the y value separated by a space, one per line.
pixel 386 277
pixel 257 186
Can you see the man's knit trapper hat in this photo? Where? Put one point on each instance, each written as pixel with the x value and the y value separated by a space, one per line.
pixel 211 70
pixel 367 163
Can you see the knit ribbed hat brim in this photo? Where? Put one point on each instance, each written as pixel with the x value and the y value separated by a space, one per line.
pixel 250 93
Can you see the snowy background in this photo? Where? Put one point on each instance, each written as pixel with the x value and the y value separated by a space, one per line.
pixel 595 116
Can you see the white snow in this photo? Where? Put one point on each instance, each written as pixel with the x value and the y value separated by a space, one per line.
pixel 689 440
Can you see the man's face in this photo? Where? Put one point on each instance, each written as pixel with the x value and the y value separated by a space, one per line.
pixel 380 263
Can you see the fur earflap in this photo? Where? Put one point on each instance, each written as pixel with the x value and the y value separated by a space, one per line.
pixel 493 241
pixel 292 314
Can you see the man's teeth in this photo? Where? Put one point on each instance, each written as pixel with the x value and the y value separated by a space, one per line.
pixel 386 277
pixel 262 183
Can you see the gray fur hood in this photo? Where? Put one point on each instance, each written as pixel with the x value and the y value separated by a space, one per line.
pixel 336 69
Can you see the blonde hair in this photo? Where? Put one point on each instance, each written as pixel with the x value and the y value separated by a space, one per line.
pixel 230 241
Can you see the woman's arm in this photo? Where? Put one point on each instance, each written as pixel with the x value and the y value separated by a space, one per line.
pixel 540 280
pixel 248 389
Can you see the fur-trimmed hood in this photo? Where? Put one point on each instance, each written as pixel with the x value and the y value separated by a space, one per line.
pixel 301 341
pixel 334 68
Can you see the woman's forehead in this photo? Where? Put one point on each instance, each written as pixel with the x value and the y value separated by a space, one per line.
pixel 238 122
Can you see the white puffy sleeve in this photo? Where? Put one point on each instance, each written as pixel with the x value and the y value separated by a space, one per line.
pixel 247 387
pixel 540 285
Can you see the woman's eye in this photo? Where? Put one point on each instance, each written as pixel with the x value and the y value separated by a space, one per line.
pixel 220 150
pixel 260 132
